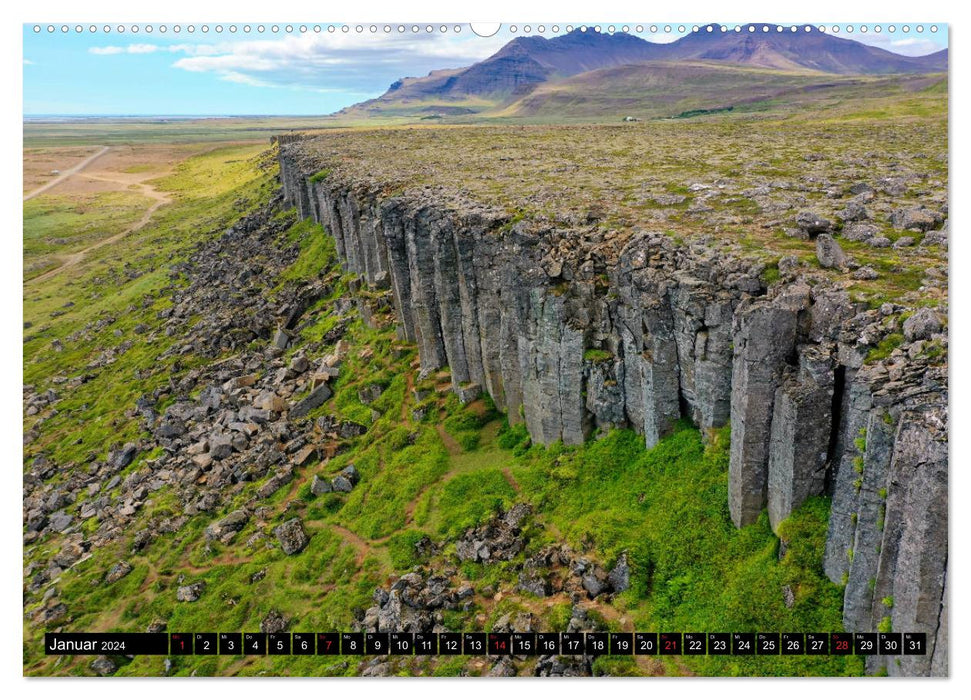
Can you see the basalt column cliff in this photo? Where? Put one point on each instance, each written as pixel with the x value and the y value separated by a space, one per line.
pixel 574 331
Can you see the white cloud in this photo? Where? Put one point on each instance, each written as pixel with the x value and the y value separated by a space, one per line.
pixel 28 62
pixel 365 63
pixel 143 48
pixel 906 46
pixel 139 49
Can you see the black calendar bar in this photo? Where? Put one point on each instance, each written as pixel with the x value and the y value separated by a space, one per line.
pixel 491 643
pixel 82 643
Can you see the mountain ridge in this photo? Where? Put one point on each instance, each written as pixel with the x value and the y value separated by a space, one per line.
pixel 525 64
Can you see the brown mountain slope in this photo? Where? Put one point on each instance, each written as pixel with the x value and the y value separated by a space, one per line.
pixel 530 75
pixel 669 89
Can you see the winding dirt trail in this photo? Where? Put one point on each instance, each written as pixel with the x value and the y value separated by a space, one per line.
pixel 362 546
pixel 73 259
pixel 67 173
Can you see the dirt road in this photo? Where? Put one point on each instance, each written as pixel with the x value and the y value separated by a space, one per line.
pixel 67 173
pixel 74 258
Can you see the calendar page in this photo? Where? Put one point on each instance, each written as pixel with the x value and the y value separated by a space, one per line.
pixel 604 348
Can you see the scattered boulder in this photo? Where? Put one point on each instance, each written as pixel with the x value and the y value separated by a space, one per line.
pixel 342 484
pixel 280 339
pixel 467 393
pixel 828 252
pixel 191 592
pixel 922 325
pixel 854 211
pixel 594 582
pixel 788 265
pixel 865 273
pixel 370 393
pixel 171 428
pixel 315 399
pixel 156 626
pixel 349 429
pixel 351 474
pixel 530 581
pixel 319 487
pixel 935 238
pixel 70 553
pixel 619 577
pixel 118 571
pixel 915 219
pixel 104 666
pixel 230 525
pixel 60 521
pixel 500 539
pixel 220 445
pixel 503 668
pixel 274 623
pixel 812 224
pixel 269 401
pixel 123 457
pixel 291 536
pixel 859 231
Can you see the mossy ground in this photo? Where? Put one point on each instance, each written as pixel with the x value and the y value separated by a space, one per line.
pixel 743 177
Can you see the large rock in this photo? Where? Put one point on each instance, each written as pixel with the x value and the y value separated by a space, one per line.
pixel 915 219
pixel 619 577
pixel 274 622
pixel 315 399
pixel 351 474
pixel 118 571
pixel 871 470
pixel 854 211
pixel 220 445
pixel 917 521
pixel 319 487
pixel 60 521
pixel 812 224
pixel 104 666
pixel 921 325
pixel 342 484
pixel 860 231
pixel 828 252
pixel 291 536
pixel 638 330
pixel 280 339
pixel 232 523
pixel 190 593
pixel 500 539
pixel 123 457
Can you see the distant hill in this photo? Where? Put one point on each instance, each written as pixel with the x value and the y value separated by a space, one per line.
pixel 531 75
pixel 692 88
pixel 798 50
pixel 518 67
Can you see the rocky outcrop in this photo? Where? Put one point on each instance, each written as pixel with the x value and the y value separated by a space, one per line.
pixel 571 331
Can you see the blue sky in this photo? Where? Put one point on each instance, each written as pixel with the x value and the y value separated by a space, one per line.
pixel 311 72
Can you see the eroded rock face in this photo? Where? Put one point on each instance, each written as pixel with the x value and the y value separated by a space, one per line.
pixel 574 330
